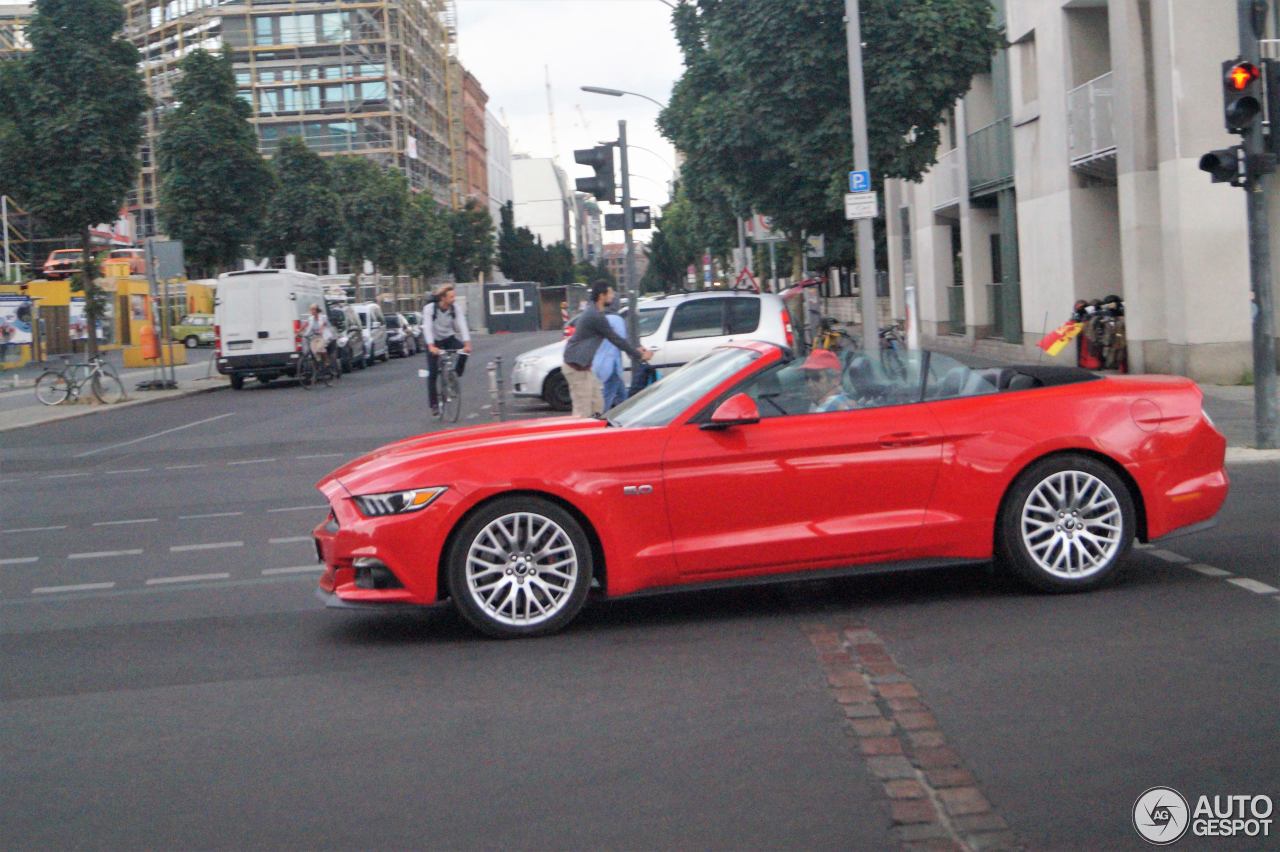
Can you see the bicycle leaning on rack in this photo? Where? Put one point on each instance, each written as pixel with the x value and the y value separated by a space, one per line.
pixel 58 386
pixel 448 387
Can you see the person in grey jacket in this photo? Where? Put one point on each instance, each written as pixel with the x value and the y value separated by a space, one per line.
pixel 592 329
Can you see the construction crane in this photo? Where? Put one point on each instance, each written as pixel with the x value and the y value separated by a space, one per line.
pixel 582 116
pixel 551 119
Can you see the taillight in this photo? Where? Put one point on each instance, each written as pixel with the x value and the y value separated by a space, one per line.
pixel 297 335
pixel 787 329
pixel 217 341
pixel 568 331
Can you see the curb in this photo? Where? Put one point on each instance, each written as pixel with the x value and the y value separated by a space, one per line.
pixel 52 414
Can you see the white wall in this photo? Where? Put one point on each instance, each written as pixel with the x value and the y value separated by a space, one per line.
pixel 540 200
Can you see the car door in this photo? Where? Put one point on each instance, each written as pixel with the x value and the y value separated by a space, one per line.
pixel 799 490
pixel 696 326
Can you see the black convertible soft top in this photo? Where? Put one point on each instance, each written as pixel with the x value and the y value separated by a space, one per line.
pixel 1048 374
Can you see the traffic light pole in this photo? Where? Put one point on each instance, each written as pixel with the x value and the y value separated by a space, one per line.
pixel 866 244
pixel 633 294
pixel 1264 345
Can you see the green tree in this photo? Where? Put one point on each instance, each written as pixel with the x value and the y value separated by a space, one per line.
pixel 427 238
pixel 214 185
pixel 303 217
pixel 559 264
pixel 666 270
pixel 762 109
pixel 372 203
pixel 472 251
pixel 71 123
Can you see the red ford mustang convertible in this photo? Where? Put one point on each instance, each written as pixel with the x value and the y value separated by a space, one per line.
pixel 751 465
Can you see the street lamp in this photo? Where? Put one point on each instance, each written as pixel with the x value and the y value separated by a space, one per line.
pixel 617 93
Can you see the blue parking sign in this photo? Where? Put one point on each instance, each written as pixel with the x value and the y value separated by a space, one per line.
pixel 860 181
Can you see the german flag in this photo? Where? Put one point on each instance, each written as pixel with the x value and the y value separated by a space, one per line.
pixel 1056 340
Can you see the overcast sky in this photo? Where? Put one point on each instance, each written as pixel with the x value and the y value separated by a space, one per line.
pixel 511 46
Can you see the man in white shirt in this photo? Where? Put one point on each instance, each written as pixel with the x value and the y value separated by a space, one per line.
pixel 444 327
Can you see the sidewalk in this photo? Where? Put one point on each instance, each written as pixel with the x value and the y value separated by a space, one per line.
pixel 19 407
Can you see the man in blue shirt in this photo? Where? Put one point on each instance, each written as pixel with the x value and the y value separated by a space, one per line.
pixel 607 365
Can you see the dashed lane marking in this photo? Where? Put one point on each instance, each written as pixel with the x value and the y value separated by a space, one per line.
pixel 82 587
pixel 63 475
pixel 188 578
pixel 33 529
pixel 1208 570
pixel 183 466
pixel 20 560
pixel 213 545
pixel 1253 586
pixel 126 523
pixel 1169 556
pixel 297 569
pixel 299 509
pixel 130 470
pixel 321 456
pixel 290 539
pixel 249 461
pixel 153 435
pixel 103 554
pixel 209 515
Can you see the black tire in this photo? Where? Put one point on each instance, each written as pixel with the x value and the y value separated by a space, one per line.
pixel 385 356
pixel 569 594
pixel 1073 544
pixel 450 397
pixel 368 358
pixel 52 388
pixel 191 341
pixel 345 359
pixel 108 388
pixel 555 390
pixel 237 381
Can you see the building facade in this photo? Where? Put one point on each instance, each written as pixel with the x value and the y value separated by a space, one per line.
pixel 615 260
pixel 475 158
pixel 360 78
pixel 1069 172
pixel 13 29
pixel 542 201
pixel 497 144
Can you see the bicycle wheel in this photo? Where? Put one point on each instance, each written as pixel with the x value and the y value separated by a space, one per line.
pixel 108 388
pixel 451 397
pixel 307 373
pixel 52 388
pixel 324 373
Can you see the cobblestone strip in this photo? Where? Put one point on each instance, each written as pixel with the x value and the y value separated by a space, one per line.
pixel 934 801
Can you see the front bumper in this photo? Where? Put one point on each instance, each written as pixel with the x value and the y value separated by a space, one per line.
pixel 527 378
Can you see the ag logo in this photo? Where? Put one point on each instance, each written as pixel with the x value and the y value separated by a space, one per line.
pixel 1161 815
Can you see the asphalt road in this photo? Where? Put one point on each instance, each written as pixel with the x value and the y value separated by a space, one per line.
pixel 169 680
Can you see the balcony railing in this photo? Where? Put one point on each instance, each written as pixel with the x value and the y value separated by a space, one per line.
pixel 946 180
pixel 1091 119
pixel 991 156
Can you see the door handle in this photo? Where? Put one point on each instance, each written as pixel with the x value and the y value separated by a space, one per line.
pixel 905 439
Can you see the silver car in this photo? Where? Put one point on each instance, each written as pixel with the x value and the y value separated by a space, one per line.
pixel 677 328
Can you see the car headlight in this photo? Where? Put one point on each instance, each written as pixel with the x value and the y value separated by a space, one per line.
pixel 398 502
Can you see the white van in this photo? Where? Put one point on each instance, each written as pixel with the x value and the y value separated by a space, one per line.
pixel 258 316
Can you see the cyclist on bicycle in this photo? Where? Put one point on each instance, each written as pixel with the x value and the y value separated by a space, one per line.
pixel 320 337
pixel 443 327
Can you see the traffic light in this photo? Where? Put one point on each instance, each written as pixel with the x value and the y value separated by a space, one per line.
pixel 1226 165
pixel 1271 73
pixel 600 158
pixel 1242 95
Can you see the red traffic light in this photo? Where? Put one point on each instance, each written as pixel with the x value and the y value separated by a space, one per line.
pixel 1241 75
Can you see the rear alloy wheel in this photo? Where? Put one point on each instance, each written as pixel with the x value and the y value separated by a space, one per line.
pixel 520 567
pixel 1066 524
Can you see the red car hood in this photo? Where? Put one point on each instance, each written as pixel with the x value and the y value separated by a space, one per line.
pixel 381 467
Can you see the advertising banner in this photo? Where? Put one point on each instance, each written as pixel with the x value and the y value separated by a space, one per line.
pixel 80 325
pixel 15 320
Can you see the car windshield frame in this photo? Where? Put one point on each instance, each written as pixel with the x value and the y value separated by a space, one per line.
pixel 682 391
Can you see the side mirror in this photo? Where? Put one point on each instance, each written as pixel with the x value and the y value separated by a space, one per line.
pixel 737 410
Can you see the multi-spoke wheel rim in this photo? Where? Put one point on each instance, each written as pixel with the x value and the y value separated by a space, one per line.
pixel 1072 524
pixel 522 569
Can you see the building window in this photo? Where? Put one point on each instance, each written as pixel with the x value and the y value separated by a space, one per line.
pixel 335 26
pixel 263 30
pixel 506 302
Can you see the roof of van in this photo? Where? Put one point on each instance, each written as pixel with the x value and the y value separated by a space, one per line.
pixel 268 272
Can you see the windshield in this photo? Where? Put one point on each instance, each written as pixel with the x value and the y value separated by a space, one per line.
pixel 393 321
pixel 662 402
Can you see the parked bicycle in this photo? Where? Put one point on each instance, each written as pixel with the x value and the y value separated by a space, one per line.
pixel 448 387
pixel 57 386
pixel 892 345
pixel 834 338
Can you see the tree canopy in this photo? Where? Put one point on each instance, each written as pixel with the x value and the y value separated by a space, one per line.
pixel 472 241
pixel 303 218
pixel 214 185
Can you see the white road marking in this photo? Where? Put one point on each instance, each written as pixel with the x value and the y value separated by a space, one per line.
pixel 249 461
pixel 33 529
pixel 1169 556
pixel 83 587
pixel 189 578
pixel 153 435
pixel 183 466
pixel 298 569
pixel 1142 545
pixel 290 540
pixel 299 509
pixel 1253 586
pixel 1209 570
pixel 131 470
pixel 1247 455
pixel 213 545
pixel 123 523
pixel 63 475
pixel 19 560
pixel 102 554
pixel 321 456
pixel 209 515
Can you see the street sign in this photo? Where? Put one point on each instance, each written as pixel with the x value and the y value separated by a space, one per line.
pixel 817 245
pixel 165 257
pixel 640 220
pixel 861 205
pixel 760 229
pixel 860 181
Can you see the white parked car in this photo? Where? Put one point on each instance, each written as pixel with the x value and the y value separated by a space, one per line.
pixel 374 327
pixel 677 328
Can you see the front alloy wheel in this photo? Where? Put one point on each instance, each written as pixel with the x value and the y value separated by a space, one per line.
pixel 520 567
pixel 1067 524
